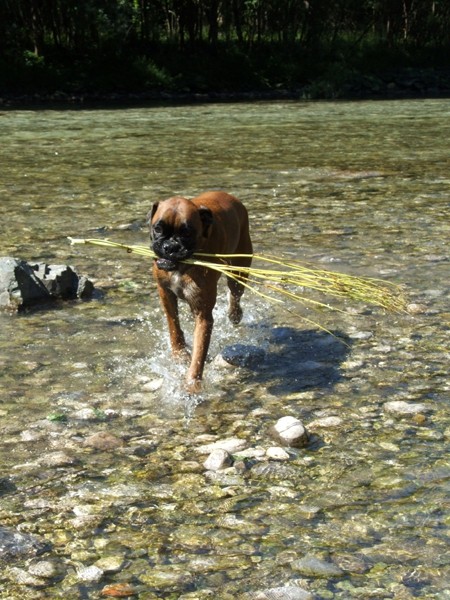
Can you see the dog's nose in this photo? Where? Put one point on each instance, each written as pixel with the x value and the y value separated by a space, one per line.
pixel 171 247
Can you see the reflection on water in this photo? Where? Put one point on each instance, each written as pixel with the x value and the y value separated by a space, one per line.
pixel 360 187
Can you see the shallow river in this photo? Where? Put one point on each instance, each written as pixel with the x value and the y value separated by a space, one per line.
pixel 362 511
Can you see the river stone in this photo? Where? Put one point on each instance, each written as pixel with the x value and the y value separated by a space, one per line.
pixel 218 459
pixel 288 592
pixel 14 544
pixel 243 355
pixel 325 422
pixel 289 431
pixel 22 577
pixel 277 453
pixel 19 285
pixel 57 459
pixel 46 569
pixel 90 574
pixel 23 284
pixel 231 445
pixel 103 440
pixel 312 566
pixel 111 564
pixel 402 408
pixel 119 590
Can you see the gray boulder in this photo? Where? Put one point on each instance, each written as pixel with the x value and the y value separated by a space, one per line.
pixel 25 284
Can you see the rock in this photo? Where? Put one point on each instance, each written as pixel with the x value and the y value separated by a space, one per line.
pixel 289 431
pixel 111 564
pixel 57 459
pixel 218 459
pixel 402 408
pixel 103 440
pixel 231 445
pixel 325 422
pixel 14 544
pixel 288 592
pixel 22 577
pixel 119 590
pixel 90 574
pixel 45 569
pixel 311 566
pixel 414 308
pixel 243 355
pixel 277 453
pixel 19 285
pixel 23 284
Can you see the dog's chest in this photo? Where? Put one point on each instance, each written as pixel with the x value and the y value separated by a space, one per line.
pixel 182 286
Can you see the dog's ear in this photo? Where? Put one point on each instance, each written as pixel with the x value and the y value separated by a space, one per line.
pixel 151 212
pixel 206 218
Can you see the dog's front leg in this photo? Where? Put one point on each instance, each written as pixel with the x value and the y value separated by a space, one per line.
pixel 202 336
pixel 169 303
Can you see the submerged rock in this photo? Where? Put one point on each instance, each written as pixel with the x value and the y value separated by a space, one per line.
pixel 14 544
pixel 402 408
pixel 288 592
pixel 218 459
pixel 312 566
pixel 25 284
pixel 290 431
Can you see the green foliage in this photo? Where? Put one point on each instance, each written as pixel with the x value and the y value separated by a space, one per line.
pixel 201 45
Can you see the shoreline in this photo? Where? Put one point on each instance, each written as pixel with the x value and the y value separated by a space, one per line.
pixel 399 85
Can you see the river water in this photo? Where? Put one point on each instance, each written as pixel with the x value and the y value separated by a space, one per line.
pixel 362 511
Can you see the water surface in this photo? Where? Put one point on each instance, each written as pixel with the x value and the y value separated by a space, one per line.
pixel 359 187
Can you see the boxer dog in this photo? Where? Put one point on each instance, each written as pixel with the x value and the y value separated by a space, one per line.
pixel 214 222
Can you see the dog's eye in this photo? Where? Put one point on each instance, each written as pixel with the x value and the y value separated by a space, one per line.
pixel 187 231
pixel 157 229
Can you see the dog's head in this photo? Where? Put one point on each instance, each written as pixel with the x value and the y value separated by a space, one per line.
pixel 177 229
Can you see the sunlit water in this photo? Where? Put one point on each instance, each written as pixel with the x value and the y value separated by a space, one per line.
pixel 359 187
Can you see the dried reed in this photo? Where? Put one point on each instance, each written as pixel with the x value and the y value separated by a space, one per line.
pixel 283 278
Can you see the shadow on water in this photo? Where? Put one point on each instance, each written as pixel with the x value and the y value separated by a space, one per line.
pixel 295 359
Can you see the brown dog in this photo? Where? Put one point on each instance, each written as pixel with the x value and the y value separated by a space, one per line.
pixel 214 222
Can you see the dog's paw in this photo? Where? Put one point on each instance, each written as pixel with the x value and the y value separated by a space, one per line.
pixel 193 386
pixel 235 315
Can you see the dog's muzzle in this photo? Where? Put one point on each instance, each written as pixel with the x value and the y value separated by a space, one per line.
pixel 170 253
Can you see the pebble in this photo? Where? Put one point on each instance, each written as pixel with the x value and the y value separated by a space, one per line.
pixel 325 422
pixel 153 385
pixel 402 408
pixel 277 453
pixel 57 459
pixel 22 577
pixel 47 569
pixel 312 566
pixel 110 564
pixel 231 445
pixel 416 309
pixel 288 592
pixel 103 440
pixel 289 431
pixel 218 459
pixel 119 590
pixel 90 574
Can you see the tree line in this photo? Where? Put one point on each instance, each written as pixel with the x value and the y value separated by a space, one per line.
pixel 85 25
pixel 153 40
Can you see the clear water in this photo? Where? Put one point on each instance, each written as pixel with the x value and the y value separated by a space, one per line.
pixel 360 187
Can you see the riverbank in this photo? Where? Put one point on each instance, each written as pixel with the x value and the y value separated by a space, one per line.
pixel 396 84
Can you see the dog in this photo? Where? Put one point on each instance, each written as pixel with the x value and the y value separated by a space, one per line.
pixel 214 222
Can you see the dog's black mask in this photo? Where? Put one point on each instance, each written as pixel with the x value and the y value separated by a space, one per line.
pixel 172 246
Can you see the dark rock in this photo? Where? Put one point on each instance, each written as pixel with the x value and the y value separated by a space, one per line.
pixel 243 355
pixel 23 284
pixel 19 285
pixel 14 544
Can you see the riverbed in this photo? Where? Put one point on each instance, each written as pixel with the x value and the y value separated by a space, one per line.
pixel 101 450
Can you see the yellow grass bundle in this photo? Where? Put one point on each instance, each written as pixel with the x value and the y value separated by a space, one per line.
pixel 286 278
